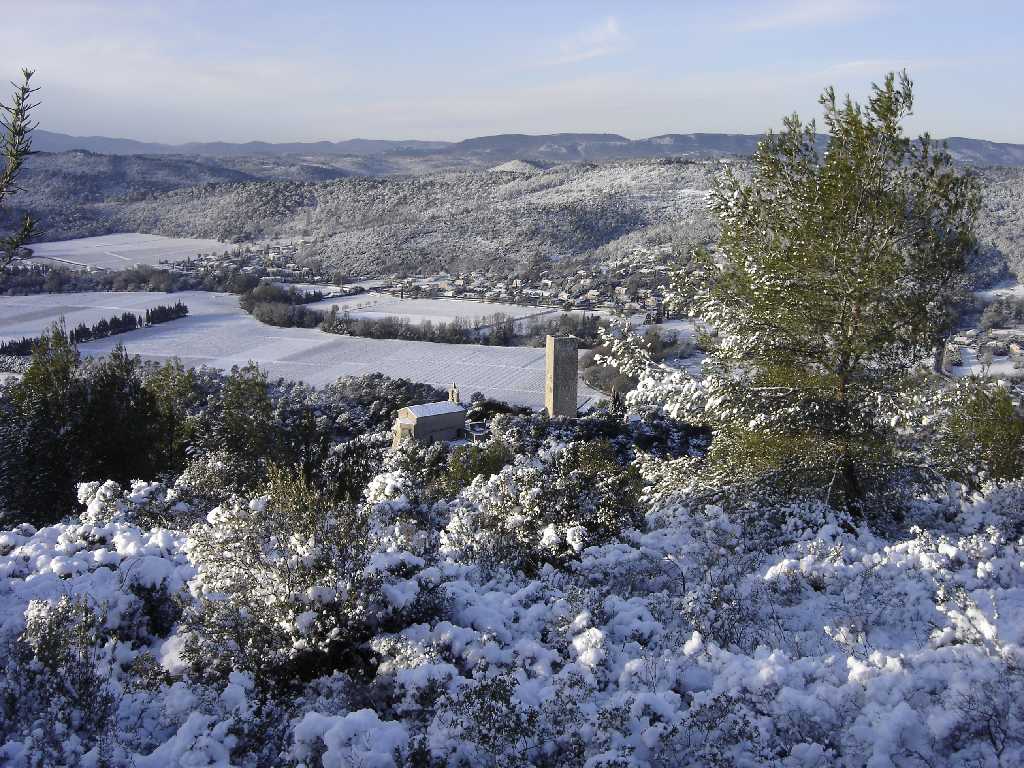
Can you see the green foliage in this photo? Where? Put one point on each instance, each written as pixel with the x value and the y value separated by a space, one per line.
pixel 283 592
pixel 69 421
pixel 352 464
pixel 118 420
pixel 242 422
pixel 980 436
pixel 65 423
pixel 174 393
pixel 16 128
pixel 836 274
pixel 466 462
pixel 42 433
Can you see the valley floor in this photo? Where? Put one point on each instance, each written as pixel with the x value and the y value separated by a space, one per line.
pixel 124 249
pixel 217 333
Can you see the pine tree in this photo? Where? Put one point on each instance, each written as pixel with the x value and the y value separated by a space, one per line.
pixel 16 126
pixel 835 277
pixel 41 433
pixel 119 420
pixel 174 393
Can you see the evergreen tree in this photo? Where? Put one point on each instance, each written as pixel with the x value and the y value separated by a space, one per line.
pixel 835 276
pixel 979 435
pixel 41 433
pixel 242 425
pixel 16 127
pixel 119 421
pixel 174 393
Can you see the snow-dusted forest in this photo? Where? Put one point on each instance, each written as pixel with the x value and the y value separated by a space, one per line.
pixel 455 220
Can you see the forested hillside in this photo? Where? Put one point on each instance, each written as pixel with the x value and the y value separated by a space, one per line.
pixel 367 225
pixel 453 220
pixel 482 151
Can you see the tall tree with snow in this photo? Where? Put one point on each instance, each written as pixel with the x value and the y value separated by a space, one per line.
pixel 16 126
pixel 835 276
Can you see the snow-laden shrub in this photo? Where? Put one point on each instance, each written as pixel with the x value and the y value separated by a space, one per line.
pixel 288 585
pixel 56 702
pixel 144 504
pixel 356 738
pixel 117 566
pixel 698 643
pixel 546 510
pixel 207 480
pixel 350 465
pixel 698 638
pixel 489 723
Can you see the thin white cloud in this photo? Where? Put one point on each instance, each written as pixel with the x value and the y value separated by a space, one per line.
pixel 809 13
pixel 602 39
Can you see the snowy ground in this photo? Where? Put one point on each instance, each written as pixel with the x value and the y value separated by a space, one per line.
pixel 219 334
pixel 1002 291
pixel 22 316
pixel 124 250
pixel 378 305
pixel 1001 367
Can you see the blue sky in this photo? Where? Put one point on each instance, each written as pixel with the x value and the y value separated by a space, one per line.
pixel 237 71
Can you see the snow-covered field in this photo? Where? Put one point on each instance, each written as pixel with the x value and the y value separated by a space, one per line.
pixel 1008 289
pixel 1000 367
pixel 124 250
pixel 22 316
pixel 378 305
pixel 219 334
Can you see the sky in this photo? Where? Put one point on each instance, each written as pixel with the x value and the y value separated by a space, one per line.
pixel 231 70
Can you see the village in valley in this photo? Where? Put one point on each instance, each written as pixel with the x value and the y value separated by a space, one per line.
pixel 617 289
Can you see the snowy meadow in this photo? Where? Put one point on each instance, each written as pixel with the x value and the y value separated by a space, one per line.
pixel 217 333
pixel 125 249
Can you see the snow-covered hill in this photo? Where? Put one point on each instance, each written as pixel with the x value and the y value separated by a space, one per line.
pixel 450 220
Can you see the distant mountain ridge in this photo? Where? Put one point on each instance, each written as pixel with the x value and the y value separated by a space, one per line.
pixel 48 141
pixel 484 150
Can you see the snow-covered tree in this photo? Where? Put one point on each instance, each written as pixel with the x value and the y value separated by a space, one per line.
pixel 834 277
pixel 16 128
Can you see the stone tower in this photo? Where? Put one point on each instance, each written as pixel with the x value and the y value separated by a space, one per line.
pixel 562 370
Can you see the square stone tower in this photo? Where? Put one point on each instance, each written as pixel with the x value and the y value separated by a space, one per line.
pixel 562 371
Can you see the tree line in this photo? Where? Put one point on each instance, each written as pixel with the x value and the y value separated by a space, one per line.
pixel 70 419
pixel 499 329
pixel 81 333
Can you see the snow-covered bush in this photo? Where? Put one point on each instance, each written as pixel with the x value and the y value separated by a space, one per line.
pixel 55 698
pixel 288 586
pixel 279 587
pixel 586 604
pixel 694 639
pixel 79 607
pixel 144 504
pixel 545 510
